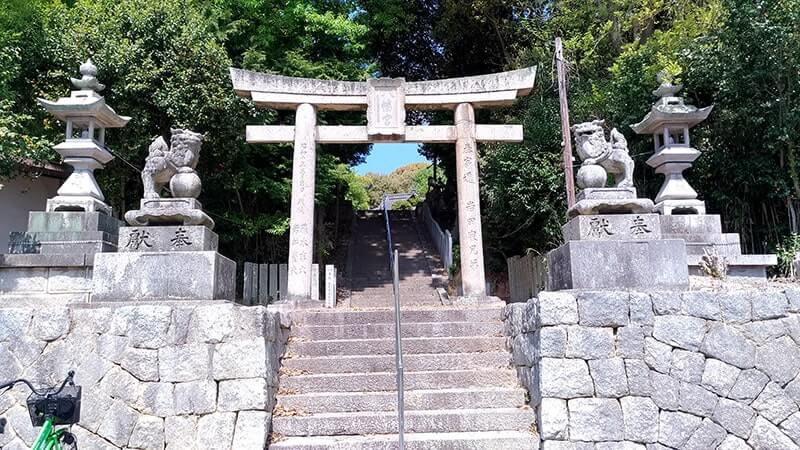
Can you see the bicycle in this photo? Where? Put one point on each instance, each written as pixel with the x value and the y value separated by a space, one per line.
pixel 50 408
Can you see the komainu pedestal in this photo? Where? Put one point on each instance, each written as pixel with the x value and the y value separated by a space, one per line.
pixel 617 251
pixel 164 263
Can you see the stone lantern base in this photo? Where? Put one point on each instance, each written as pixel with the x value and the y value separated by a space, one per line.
pixel 83 204
pixel 679 207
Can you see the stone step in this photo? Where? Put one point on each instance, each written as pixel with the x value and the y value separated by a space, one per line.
pixel 486 440
pixel 387 330
pixel 360 423
pixel 484 397
pixel 387 346
pixel 344 317
pixel 387 381
pixel 386 363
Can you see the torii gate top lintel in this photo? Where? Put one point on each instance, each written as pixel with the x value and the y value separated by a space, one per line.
pixel 282 92
pixel 386 101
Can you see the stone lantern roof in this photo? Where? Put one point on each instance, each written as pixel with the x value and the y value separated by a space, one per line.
pixel 670 110
pixel 85 103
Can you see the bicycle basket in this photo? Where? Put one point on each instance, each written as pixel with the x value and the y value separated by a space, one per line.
pixel 64 407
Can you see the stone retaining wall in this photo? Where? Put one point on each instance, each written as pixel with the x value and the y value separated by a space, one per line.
pixel 177 376
pixel 692 370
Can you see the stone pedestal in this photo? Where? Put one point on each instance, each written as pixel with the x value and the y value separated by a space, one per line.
pixel 66 233
pixel 609 201
pixel 169 211
pixel 617 251
pixel 164 263
pixel 678 207
pixel 703 232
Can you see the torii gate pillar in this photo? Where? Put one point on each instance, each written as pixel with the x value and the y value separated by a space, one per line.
pixel 473 279
pixel 301 223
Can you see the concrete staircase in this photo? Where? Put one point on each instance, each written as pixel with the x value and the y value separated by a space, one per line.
pixel 370 277
pixel 337 384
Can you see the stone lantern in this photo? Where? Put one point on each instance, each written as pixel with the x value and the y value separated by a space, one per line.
pixel 86 116
pixel 669 122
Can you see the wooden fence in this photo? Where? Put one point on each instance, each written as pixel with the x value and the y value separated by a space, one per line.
pixel 266 283
pixel 442 240
pixel 527 276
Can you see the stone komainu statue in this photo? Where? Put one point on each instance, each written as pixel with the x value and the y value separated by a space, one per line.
pixel 173 165
pixel 613 156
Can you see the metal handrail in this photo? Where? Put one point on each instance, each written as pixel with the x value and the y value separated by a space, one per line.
pixel 394 261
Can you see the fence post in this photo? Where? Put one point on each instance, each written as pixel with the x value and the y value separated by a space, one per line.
pixel 263 278
pixel 273 282
pixel 247 287
pixel 283 281
pixel 448 249
pixel 330 286
pixel 315 282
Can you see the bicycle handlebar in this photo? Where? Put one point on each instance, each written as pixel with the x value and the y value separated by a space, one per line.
pixel 47 391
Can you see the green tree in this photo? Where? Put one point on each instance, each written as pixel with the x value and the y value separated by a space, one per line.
pixel 165 64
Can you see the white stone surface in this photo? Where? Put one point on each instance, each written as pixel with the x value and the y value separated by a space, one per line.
pixel 675 428
pixel 215 431
pixel 148 433
pixel 594 419
pixel 553 419
pixel 680 331
pixel 565 378
pixel 641 419
pixel 589 342
pixel 245 394
pixel 252 429
pixel 766 436
pixel 719 377
pixel 557 308
pixel 609 377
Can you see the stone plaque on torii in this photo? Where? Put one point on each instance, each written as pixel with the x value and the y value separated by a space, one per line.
pixel 385 101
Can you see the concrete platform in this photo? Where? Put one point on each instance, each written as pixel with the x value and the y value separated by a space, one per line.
pixel 423 399
pixel 135 276
pixel 386 346
pixel 619 265
pixel 386 363
pixel 387 381
pixel 459 420
pixel 491 440
pixel 746 266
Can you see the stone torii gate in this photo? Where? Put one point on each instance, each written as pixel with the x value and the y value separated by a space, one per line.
pixel 385 101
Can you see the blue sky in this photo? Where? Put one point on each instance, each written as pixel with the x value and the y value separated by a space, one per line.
pixel 384 158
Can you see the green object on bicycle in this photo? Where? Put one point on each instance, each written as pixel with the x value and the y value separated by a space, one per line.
pixel 49 408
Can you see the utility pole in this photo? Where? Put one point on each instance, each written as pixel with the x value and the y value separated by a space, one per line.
pixel 566 136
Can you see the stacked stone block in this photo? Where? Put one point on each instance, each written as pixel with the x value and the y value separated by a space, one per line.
pixel 680 370
pixel 165 376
